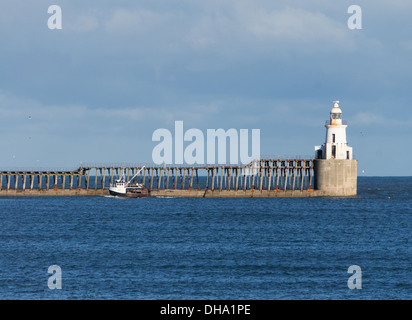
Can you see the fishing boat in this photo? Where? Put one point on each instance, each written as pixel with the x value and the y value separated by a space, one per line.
pixel 121 188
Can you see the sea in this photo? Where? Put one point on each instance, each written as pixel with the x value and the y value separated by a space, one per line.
pixel 108 248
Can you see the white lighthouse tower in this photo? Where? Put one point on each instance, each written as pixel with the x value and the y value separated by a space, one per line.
pixel 335 170
pixel 336 146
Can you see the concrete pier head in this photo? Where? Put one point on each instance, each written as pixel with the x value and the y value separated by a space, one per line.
pixel 335 177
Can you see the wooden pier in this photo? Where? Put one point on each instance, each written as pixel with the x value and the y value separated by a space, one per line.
pixel 260 178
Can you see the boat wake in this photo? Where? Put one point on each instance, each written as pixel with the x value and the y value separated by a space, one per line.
pixel 114 197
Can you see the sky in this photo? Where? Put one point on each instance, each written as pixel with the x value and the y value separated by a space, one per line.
pixel 96 90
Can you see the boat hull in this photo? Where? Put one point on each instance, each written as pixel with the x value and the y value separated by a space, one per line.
pixel 141 193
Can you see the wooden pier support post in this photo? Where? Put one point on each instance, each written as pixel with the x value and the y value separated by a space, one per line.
pixel 79 181
pixel 310 178
pixel 221 179
pixel 104 178
pixel 95 178
pixel 261 177
pixel 191 177
pixel 184 179
pixel 213 178
pixel 151 178
pixel 159 178
pixel 294 175
pixel 302 175
pixel 167 179
pixel 207 179
pixel 253 178
pixel 112 176
pixel 270 176
pixel 228 177
pixel 87 179
pixel 237 178
pixel 144 176
pixel 278 173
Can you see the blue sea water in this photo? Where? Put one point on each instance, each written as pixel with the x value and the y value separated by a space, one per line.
pixel 181 248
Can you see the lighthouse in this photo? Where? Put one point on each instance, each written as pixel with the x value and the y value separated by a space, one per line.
pixel 335 170
pixel 336 146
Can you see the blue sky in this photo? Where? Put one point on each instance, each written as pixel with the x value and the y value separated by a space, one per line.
pixel 96 90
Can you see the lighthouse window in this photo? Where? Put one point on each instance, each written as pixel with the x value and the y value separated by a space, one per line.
pixel 333 137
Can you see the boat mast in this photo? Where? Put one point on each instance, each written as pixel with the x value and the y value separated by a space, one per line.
pixel 134 176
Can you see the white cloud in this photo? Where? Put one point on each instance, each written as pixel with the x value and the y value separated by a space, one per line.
pixel 135 22
pixel 294 24
pixel 406 45
pixel 14 108
pixel 368 118
pixel 373 118
pixel 17 111
pixel 82 23
pixel 249 26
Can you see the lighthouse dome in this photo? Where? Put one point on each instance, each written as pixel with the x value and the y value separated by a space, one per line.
pixel 336 114
pixel 336 108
